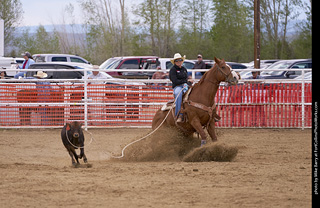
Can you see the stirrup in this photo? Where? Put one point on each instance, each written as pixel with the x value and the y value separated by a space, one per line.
pixel 180 118
pixel 216 118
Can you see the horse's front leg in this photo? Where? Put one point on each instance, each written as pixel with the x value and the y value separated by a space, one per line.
pixel 195 122
pixel 212 130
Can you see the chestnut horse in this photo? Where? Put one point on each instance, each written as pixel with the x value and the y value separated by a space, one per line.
pixel 199 106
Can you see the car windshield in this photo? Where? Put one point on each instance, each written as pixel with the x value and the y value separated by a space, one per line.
pixel 114 64
pixel 105 64
pixel 187 65
pixel 39 59
pixel 278 65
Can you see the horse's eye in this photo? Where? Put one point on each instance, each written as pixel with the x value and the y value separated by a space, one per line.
pixel 223 67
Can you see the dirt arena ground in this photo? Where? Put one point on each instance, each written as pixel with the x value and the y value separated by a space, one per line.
pixel 272 169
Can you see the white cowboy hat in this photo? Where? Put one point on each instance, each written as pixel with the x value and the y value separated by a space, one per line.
pixel 95 67
pixel 41 75
pixel 178 56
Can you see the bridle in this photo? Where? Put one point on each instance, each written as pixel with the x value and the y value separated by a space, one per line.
pixel 225 74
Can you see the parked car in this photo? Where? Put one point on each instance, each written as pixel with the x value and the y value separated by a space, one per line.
pixel 287 64
pixel 72 74
pixel 127 62
pixel 263 63
pixel 10 63
pixel 59 58
pixel 210 63
pixel 307 76
pixel 165 63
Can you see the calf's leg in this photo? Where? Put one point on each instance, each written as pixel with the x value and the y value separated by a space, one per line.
pixel 72 154
pixel 83 155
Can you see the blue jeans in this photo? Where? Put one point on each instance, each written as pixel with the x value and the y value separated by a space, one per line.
pixel 19 74
pixel 176 92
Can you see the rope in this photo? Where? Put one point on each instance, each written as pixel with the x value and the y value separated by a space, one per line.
pixel 83 144
pixel 138 140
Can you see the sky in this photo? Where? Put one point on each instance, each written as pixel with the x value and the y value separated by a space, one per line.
pixel 45 12
pixel 48 12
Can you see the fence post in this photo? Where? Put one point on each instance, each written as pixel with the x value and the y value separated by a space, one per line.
pixel 302 101
pixel 86 100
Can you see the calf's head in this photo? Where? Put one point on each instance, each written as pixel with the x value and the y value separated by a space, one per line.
pixel 74 129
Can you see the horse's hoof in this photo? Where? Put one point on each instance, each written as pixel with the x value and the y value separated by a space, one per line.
pixel 85 160
pixel 76 165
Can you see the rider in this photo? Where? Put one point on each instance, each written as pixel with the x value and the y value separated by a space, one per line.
pixel 179 76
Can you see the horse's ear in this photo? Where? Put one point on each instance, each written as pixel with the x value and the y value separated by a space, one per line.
pixel 216 60
pixel 223 60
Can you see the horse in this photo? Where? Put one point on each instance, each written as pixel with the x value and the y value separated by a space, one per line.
pixel 198 103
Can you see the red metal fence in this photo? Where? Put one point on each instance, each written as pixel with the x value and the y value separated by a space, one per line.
pixel 278 105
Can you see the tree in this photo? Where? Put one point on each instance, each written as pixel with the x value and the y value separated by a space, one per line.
pixel 39 42
pixel 105 34
pixel 275 15
pixel 193 32
pixel 232 32
pixel 302 44
pixel 11 12
pixel 69 33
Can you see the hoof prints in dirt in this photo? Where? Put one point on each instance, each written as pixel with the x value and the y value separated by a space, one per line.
pixel 78 165
pixel 168 144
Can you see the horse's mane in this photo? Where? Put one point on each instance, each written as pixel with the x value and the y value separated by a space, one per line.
pixel 204 77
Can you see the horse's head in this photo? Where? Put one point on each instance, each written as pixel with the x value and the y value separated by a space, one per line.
pixel 225 72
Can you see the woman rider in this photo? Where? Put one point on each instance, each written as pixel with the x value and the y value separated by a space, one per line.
pixel 179 76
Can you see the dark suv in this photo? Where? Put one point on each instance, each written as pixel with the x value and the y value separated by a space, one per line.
pixel 72 74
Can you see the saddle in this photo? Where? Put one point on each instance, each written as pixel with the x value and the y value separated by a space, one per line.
pixel 211 110
pixel 168 105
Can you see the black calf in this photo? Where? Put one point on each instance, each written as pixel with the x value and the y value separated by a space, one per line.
pixel 73 138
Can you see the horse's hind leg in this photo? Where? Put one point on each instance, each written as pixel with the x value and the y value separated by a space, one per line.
pixel 212 130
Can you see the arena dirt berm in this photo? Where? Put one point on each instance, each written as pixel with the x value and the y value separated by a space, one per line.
pixel 169 144
pixel 265 168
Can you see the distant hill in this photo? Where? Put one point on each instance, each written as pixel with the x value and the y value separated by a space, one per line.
pixel 77 28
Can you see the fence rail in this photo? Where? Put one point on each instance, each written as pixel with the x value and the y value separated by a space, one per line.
pixel 250 104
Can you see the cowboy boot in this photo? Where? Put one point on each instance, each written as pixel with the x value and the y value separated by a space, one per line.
pixel 216 117
pixel 180 118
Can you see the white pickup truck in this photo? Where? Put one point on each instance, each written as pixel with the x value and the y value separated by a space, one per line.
pixel 59 58
pixel 10 63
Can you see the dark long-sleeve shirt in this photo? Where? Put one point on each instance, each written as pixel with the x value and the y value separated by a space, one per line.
pixel 199 65
pixel 178 75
